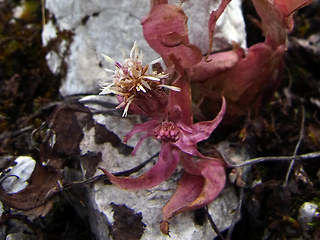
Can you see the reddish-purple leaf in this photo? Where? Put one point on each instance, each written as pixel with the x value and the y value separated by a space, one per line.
pixel 158 2
pixel 143 127
pixel 214 64
pixel 189 189
pixel 202 130
pixel 214 16
pixel 196 190
pixel 182 99
pixel 277 18
pixel 165 166
pixel 246 85
pixel 165 29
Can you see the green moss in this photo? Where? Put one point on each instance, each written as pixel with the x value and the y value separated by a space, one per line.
pixel 303 28
pixel 24 75
pixel 31 12
pixel 296 203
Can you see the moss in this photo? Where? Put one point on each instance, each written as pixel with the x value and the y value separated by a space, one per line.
pixel 303 27
pixel 31 11
pixel 24 75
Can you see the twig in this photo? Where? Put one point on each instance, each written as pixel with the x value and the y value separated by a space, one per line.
pixel 3 177
pixel 213 225
pixel 15 133
pixel 306 156
pixel 137 168
pixel 301 135
pixel 236 215
pixel 103 177
pixel 43 13
pixel 98 102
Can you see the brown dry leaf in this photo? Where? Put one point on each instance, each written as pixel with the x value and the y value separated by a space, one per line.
pixel 62 145
pixel 103 135
pixel 67 128
pixel 127 224
pixel 43 185
pixel 90 162
pixel 40 211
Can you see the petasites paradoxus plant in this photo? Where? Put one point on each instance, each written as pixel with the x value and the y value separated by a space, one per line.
pixel 172 124
pixel 245 77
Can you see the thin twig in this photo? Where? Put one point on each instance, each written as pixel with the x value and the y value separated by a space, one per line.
pixel 137 168
pixel 12 134
pixel 213 225
pixel 236 215
pixel 306 156
pixel 301 135
pixel 103 177
pixel 43 13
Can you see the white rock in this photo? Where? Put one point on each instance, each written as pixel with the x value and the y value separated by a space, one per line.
pixel 230 26
pixel 16 177
pixel 49 32
pixel 19 236
pixel 306 214
pixel 150 202
pixel 19 10
pixel 107 26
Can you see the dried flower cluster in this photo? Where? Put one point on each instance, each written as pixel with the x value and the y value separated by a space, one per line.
pixel 245 78
pixel 131 78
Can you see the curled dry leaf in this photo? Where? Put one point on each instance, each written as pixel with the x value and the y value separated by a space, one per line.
pixel 127 224
pixel 43 185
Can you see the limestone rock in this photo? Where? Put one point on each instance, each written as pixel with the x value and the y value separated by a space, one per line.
pixel 83 29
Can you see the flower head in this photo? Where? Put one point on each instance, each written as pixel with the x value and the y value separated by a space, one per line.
pixel 131 78
pixel 166 132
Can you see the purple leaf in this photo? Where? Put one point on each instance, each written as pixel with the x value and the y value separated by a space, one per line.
pixel 165 166
pixel 202 130
pixel 165 29
pixel 214 16
pixel 181 99
pixel 196 190
pixel 277 18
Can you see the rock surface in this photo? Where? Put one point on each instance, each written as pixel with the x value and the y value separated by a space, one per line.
pixel 94 27
pixel 15 177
